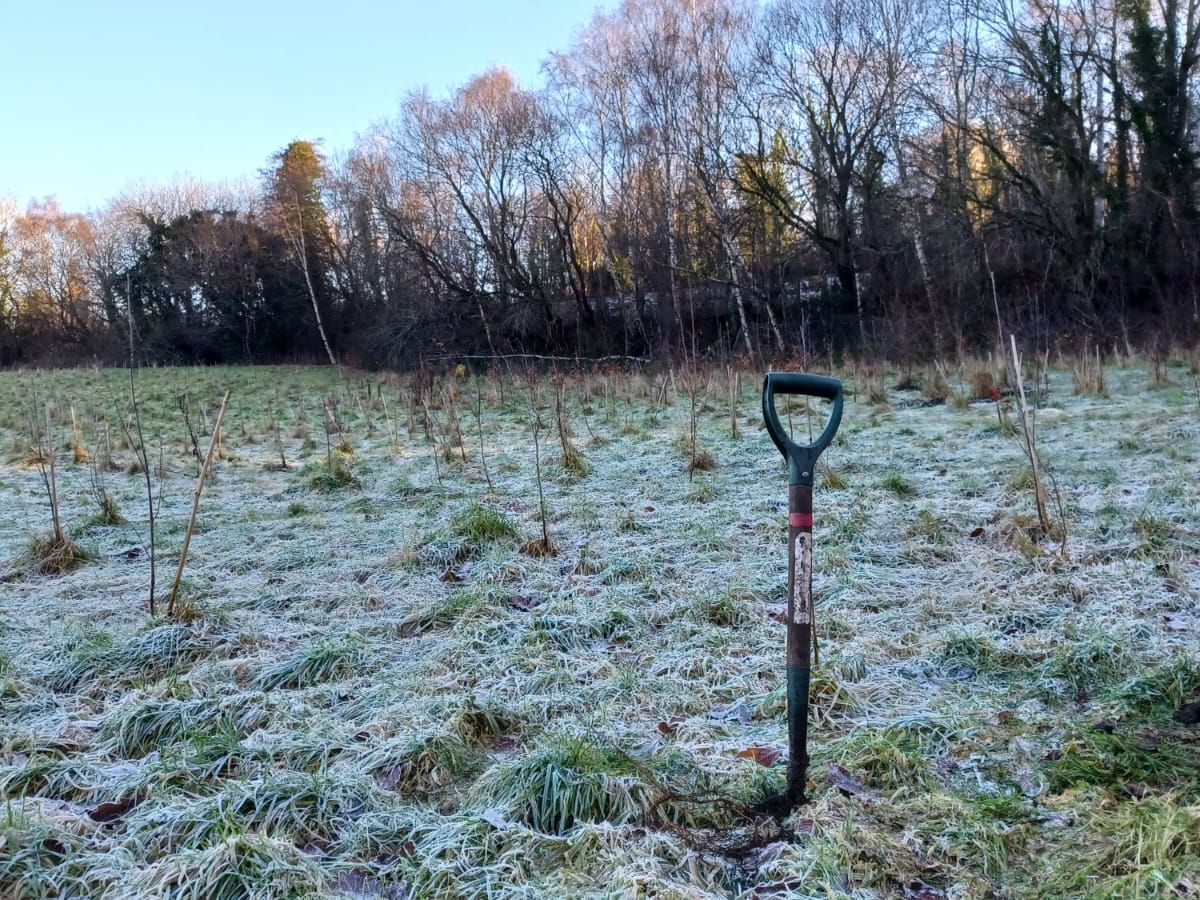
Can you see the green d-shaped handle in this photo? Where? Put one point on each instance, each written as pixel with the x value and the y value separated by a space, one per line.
pixel 802 458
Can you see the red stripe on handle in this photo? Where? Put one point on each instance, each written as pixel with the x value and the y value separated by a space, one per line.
pixel 800 520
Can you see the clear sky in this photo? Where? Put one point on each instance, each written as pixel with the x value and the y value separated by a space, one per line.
pixel 98 94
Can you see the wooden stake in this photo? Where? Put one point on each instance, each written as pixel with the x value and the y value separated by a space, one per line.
pixel 187 535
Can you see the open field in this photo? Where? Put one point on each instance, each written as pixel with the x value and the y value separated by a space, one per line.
pixel 375 687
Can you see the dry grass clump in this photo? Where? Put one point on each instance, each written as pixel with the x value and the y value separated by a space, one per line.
pixel 876 392
pixel 983 384
pixel 572 461
pixel 539 548
pixel 830 477
pixel 48 554
pixel 1087 374
pixel 701 460
pixel 34 457
pixel 937 389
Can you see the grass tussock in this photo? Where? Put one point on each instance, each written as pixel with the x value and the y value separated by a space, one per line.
pixel 417 767
pixel 327 478
pixel 36 857
pixel 983 384
pixel 897 484
pixel 573 462
pixel 240 866
pixel 566 781
pixel 324 660
pixel 51 555
pixel 1087 375
pixel 701 460
pixel 1145 848
pixel 1126 761
pixel 482 524
pixel 107 514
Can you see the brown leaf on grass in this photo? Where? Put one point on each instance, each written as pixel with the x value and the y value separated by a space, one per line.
pixel 110 812
pixel 452 575
pixel 768 853
pixel 764 756
pixel 847 783
pixel 977 532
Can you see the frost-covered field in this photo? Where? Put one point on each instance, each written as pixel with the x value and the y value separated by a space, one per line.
pixel 371 691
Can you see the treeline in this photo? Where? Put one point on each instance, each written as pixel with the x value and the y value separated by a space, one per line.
pixel 711 177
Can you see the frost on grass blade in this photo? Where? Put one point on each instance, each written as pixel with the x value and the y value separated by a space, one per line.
pixel 380 689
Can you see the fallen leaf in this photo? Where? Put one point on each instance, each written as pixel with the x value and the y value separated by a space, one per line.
pixel 452 575
pixel 977 532
pixel 110 812
pixel 847 783
pixel 737 711
pixel 768 853
pixel 496 819
pixel 764 756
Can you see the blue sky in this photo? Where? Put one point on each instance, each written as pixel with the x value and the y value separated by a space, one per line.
pixel 97 94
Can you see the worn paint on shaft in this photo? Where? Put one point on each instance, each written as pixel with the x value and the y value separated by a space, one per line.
pixel 799 634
